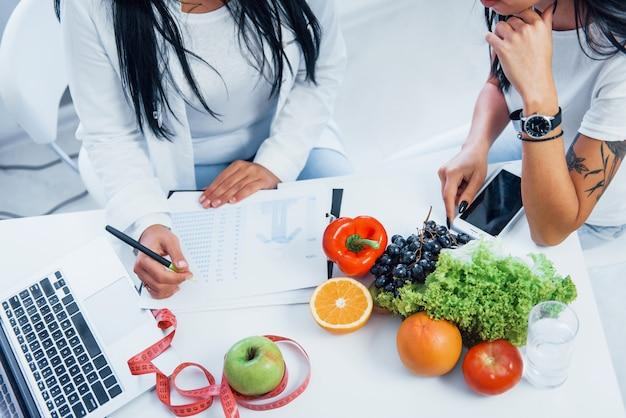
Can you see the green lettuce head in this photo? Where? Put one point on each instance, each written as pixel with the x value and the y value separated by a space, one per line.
pixel 487 294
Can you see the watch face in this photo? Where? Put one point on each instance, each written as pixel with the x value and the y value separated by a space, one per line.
pixel 537 126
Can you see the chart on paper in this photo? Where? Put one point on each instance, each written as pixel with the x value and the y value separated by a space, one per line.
pixel 271 244
pixel 212 242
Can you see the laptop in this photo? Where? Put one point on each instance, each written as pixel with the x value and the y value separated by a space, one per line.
pixel 66 334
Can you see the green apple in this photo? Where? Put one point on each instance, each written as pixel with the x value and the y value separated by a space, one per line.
pixel 254 366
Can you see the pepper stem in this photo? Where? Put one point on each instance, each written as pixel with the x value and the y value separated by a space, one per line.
pixel 355 243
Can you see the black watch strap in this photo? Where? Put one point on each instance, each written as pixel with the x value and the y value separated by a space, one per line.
pixel 516 115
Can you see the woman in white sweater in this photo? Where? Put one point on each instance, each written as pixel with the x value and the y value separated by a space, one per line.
pixel 225 96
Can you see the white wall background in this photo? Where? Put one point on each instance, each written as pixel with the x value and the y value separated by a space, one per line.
pixel 401 66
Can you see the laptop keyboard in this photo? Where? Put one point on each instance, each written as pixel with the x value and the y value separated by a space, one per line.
pixel 65 359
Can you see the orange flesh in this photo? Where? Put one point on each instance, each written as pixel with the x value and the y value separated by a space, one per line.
pixel 340 303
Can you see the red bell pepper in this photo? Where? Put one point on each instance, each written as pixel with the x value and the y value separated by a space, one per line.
pixel 355 244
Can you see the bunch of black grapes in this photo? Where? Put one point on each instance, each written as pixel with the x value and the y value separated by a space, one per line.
pixel 411 259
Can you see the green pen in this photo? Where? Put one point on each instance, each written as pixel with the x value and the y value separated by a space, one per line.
pixel 139 247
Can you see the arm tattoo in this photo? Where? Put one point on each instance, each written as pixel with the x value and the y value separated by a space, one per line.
pixel 611 153
pixel 574 162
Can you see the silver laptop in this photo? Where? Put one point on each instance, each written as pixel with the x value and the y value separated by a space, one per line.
pixel 67 334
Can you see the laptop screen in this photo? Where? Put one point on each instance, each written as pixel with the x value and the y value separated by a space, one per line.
pixel 15 398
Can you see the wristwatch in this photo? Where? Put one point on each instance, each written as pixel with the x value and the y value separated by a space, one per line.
pixel 535 126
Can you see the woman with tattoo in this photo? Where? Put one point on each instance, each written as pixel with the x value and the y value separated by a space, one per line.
pixel 558 72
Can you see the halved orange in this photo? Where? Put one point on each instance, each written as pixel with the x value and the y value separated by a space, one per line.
pixel 341 305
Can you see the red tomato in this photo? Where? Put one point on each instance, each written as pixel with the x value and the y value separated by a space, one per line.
pixel 492 368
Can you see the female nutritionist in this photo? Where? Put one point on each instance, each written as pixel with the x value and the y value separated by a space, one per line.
pixel 226 96
pixel 559 71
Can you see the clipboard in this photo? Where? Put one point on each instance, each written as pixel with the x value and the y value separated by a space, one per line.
pixel 334 213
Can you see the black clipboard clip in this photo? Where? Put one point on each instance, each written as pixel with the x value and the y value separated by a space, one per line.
pixel 171 192
pixel 334 213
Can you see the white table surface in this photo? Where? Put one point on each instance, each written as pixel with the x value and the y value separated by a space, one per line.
pixel 360 374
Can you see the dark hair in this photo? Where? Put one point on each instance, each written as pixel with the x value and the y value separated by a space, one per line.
pixel 141 26
pixel 606 39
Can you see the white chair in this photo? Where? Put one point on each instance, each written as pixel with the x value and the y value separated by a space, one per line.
pixel 32 72
pixel 33 79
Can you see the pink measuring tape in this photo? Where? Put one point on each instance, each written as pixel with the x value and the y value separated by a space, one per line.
pixel 142 364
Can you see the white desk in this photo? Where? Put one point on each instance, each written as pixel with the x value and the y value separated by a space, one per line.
pixel 357 375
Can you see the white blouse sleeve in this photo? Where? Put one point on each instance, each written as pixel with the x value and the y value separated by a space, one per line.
pixel 108 129
pixel 308 107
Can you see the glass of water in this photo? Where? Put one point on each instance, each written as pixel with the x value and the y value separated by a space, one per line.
pixel 552 328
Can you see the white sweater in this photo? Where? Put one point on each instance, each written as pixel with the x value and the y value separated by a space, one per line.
pixel 138 170
pixel 232 86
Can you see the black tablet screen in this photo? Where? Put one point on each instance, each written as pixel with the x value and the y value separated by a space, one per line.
pixel 496 205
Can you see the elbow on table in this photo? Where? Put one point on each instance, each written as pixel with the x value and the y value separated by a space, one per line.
pixel 551 230
pixel 548 236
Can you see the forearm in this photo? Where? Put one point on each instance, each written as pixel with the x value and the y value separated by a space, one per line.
pixel 550 199
pixel 490 118
pixel 549 196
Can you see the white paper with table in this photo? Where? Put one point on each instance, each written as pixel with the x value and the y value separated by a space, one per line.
pixel 265 250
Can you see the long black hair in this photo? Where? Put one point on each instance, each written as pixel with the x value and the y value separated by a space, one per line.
pixel 602 24
pixel 146 30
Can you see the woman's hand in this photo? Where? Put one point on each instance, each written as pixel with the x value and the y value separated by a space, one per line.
pixel 523 45
pixel 238 181
pixel 160 281
pixel 461 178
